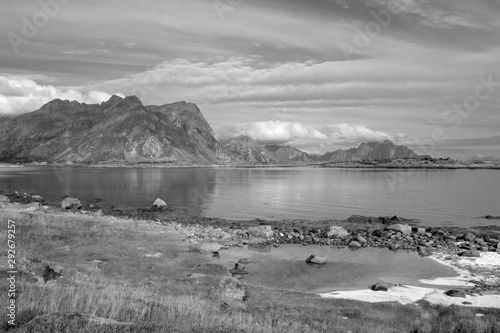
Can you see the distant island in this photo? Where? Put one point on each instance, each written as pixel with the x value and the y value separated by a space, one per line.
pixel 124 131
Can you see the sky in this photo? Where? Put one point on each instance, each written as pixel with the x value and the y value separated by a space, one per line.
pixel 318 75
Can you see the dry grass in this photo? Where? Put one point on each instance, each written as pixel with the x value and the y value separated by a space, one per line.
pixel 156 291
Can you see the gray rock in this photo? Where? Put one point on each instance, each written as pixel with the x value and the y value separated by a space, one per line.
pixel 469 237
pixel 38 270
pixel 354 244
pixel 455 293
pixel 380 287
pixel 313 259
pixel 244 261
pixel 470 253
pixel 98 213
pixel 33 206
pixel 210 247
pixel 159 205
pixel 337 231
pixel 262 231
pixel 419 231
pixel 37 198
pixel 229 289
pixel 361 239
pixel 71 203
pixel 402 228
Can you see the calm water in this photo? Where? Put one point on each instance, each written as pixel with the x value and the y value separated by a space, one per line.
pixel 437 197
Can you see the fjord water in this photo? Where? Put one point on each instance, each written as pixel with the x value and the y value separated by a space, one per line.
pixel 436 197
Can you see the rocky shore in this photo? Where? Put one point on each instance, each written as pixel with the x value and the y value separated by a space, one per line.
pixel 210 235
pixel 395 233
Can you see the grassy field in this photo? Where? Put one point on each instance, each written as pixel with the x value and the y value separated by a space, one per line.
pixel 156 293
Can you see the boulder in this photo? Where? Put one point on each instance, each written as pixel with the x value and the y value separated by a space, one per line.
pixel 33 206
pixel 39 271
pixel 361 239
pixel 380 287
pixel 37 198
pixel 455 293
pixel 230 289
pixel 71 203
pixel 360 219
pixel 354 244
pixel 470 253
pixel 4 202
pixel 402 228
pixel 210 247
pixel 313 259
pixel 337 231
pixel 469 237
pixel 98 213
pixel 159 205
pixel 244 261
pixel 418 231
pixel 262 231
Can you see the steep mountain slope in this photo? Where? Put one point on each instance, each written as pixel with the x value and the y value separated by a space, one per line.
pixel 121 129
pixel 247 150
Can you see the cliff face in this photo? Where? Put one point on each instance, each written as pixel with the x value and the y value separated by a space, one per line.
pixel 247 150
pixel 370 151
pixel 121 129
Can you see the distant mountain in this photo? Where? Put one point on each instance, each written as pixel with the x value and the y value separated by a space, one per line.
pixel 371 151
pixel 339 156
pixel 247 150
pixel 484 159
pixel 121 129
pixel 286 154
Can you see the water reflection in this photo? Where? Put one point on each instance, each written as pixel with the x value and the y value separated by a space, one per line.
pixel 434 196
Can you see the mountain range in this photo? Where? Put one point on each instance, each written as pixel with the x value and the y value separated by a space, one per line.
pixel 123 130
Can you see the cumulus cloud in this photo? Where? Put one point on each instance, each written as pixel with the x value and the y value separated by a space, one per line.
pixel 298 134
pixel 20 95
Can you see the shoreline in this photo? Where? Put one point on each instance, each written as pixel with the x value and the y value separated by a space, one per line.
pixel 434 290
pixel 358 232
pixel 339 165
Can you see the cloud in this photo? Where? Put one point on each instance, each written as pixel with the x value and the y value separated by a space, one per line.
pixel 298 134
pixel 130 45
pixel 430 14
pixel 245 79
pixel 20 95
pixel 84 52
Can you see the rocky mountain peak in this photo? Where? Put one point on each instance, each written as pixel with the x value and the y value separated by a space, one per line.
pixel 118 130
